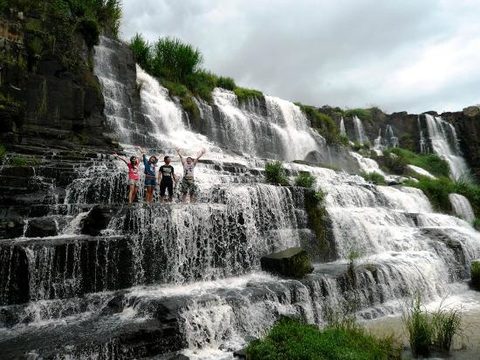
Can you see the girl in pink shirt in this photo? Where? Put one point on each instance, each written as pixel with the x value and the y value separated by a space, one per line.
pixel 133 175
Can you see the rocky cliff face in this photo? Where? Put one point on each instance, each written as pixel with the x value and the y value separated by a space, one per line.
pixel 49 94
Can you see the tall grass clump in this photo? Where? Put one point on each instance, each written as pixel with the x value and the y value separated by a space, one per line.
pixel 243 94
pixel 431 331
pixel 141 50
pixel 275 173
pixel 174 59
pixel 419 328
pixel 294 340
pixel 373 177
pixel 475 274
pixel 305 179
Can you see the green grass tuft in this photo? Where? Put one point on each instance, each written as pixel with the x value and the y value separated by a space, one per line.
pixel 293 340
pixel 244 94
pixel 373 177
pixel 305 179
pixel 324 124
pixel 275 173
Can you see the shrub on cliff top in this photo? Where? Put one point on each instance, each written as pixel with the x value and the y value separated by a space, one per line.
pixel 324 123
pixel 291 339
pixel 430 162
pixel 141 50
pixel 244 94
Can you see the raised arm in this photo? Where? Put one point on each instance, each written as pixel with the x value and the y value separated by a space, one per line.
pixel 202 152
pixel 179 154
pixel 120 158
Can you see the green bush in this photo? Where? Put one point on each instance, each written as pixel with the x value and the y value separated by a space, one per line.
pixel 201 83
pixel 292 340
pixel 305 179
pixel 324 123
pixel 476 223
pixel 275 173
pixel 90 30
pixel 226 83
pixel 362 114
pixel 141 50
pixel 373 177
pixel 244 94
pixel 3 151
pixel 394 164
pixel 174 60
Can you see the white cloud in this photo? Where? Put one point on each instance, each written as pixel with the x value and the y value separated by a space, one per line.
pixel 409 55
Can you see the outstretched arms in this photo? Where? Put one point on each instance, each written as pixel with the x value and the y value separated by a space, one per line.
pixel 179 154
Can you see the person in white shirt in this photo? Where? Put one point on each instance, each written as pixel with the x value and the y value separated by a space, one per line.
pixel 187 185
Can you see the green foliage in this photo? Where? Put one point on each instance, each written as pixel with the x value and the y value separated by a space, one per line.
pixel 373 177
pixel 90 30
pixel 305 179
pixel 201 83
pixel 176 89
pixel 437 191
pixel 290 339
pixel 394 164
pixel 3 151
pixel 476 223
pixel 141 50
pixel 226 83
pixel 419 329
pixel 362 114
pixel 431 331
pixel 244 94
pixel 475 274
pixel 174 60
pixel 19 160
pixel 430 162
pixel 324 123
pixel 275 173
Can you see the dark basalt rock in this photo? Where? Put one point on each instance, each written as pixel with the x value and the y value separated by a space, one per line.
pixel 11 228
pixel 475 274
pixel 41 227
pixel 292 262
pixel 96 220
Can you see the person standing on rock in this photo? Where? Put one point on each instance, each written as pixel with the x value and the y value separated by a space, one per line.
pixel 166 178
pixel 133 175
pixel 150 175
pixel 187 185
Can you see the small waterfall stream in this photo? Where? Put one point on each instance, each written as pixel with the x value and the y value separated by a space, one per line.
pixel 361 137
pixel 445 143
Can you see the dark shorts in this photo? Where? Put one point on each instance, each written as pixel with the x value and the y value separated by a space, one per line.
pixel 188 187
pixel 150 181
pixel 166 184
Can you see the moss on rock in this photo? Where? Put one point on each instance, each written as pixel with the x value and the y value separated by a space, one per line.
pixel 475 274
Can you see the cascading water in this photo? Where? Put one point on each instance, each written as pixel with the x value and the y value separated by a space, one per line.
pixel 361 137
pixel 392 140
pixel 444 142
pixel 461 207
pixel 186 277
pixel 343 131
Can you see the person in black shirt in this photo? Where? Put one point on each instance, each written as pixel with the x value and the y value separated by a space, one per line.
pixel 166 177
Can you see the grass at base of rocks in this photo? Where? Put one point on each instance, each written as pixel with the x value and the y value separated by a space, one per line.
pixel 437 191
pixel 293 340
pixel 373 177
pixel 402 157
pixel 275 173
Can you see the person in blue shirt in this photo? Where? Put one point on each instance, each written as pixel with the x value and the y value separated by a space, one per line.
pixel 150 176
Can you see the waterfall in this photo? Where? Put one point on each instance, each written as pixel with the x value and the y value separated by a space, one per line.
pixel 440 132
pixel 392 140
pixel 361 137
pixel 461 207
pixel 114 89
pixel 271 127
pixel 343 131
pixel 377 143
pixel 166 278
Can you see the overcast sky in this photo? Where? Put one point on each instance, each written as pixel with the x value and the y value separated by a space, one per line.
pixel 413 55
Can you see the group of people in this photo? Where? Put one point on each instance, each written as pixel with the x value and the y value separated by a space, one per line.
pixel 165 176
